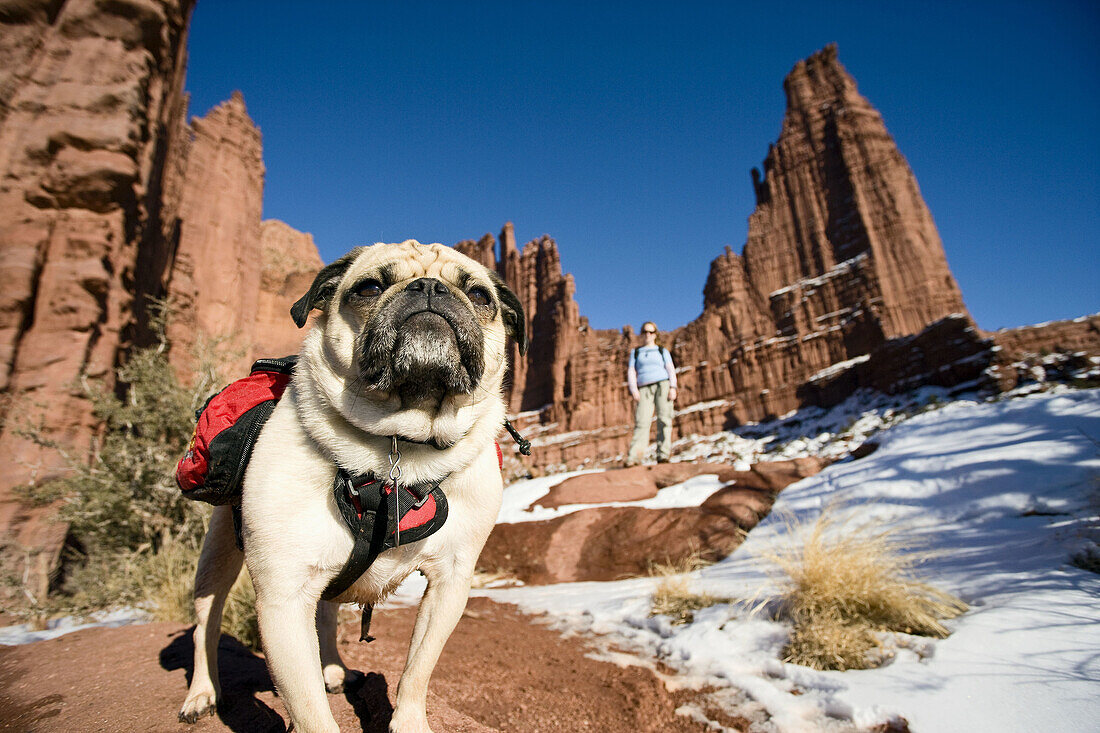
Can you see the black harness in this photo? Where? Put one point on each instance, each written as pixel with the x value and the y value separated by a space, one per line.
pixel 381 516
pixel 385 514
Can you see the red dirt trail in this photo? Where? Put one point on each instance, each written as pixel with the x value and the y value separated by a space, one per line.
pixel 499 671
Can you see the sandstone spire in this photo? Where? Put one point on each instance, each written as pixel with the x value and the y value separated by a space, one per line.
pixel 215 275
pixel 842 260
pixel 836 192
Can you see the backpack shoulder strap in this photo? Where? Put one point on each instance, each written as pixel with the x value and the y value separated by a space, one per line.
pixel 282 365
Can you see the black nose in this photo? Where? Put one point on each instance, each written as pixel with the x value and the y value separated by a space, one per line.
pixel 428 285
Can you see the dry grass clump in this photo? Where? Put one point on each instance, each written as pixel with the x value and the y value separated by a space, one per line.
pixel 171 583
pixel 846 585
pixel 171 591
pixel 492 579
pixel 239 617
pixel 673 596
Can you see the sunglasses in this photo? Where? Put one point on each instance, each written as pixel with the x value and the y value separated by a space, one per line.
pixel 648 331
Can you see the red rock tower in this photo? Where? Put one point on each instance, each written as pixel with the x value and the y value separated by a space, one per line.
pixel 215 275
pixel 837 194
pixel 842 260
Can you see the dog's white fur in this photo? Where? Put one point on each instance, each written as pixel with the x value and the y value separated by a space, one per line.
pixel 296 542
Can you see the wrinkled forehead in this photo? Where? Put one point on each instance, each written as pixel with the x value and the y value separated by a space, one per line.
pixel 410 260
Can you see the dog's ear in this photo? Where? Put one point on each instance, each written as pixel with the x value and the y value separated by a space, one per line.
pixel 515 322
pixel 324 285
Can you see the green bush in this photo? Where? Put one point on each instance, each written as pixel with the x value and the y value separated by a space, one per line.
pixel 129 526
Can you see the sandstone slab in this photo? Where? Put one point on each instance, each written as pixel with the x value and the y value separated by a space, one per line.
pixel 609 543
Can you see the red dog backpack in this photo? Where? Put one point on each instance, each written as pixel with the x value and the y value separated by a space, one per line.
pixel 226 430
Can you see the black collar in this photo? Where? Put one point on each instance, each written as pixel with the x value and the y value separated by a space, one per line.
pixel 434 443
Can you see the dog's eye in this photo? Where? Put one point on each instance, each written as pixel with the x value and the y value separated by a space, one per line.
pixel 479 296
pixel 368 289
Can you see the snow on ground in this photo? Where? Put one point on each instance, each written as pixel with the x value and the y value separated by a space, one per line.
pixel 1007 491
pixel 812 431
pixel 26 633
pixel 519 498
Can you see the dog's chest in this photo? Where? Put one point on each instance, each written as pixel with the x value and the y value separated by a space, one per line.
pixel 292 519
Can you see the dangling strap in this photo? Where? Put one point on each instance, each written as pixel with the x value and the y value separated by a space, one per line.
pixel 364 624
pixel 524 445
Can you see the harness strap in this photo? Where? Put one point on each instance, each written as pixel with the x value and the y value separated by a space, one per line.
pixel 524 444
pixel 359 508
pixel 369 507
pixel 378 514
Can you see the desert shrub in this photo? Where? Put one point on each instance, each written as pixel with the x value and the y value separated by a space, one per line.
pixel 125 498
pixel 847 584
pixel 673 596
pixel 132 535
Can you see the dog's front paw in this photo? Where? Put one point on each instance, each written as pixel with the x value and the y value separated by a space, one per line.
pixel 339 678
pixel 197 705
pixel 404 723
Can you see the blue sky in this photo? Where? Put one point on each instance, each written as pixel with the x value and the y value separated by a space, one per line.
pixel 627 130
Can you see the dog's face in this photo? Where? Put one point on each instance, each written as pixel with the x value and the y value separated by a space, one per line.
pixel 413 326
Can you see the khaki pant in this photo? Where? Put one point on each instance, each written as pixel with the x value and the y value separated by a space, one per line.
pixel 649 397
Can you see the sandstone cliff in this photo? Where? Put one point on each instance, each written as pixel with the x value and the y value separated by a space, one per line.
pixel 231 275
pixel 214 278
pixel 90 102
pixel 290 261
pixel 1061 350
pixel 107 198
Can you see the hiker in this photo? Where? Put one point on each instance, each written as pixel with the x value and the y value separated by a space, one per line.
pixel 651 377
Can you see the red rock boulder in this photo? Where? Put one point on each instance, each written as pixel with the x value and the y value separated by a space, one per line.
pixel 609 543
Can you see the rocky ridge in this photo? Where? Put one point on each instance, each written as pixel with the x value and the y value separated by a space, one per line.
pixel 843 283
pixel 91 102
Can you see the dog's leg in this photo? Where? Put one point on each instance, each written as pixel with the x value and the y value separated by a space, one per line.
pixel 332 666
pixel 440 610
pixel 219 565
pixel 289 632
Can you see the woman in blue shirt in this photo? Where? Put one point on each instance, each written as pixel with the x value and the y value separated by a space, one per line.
pixel 651 377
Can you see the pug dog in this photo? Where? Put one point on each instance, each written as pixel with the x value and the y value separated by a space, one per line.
pixel 409 350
